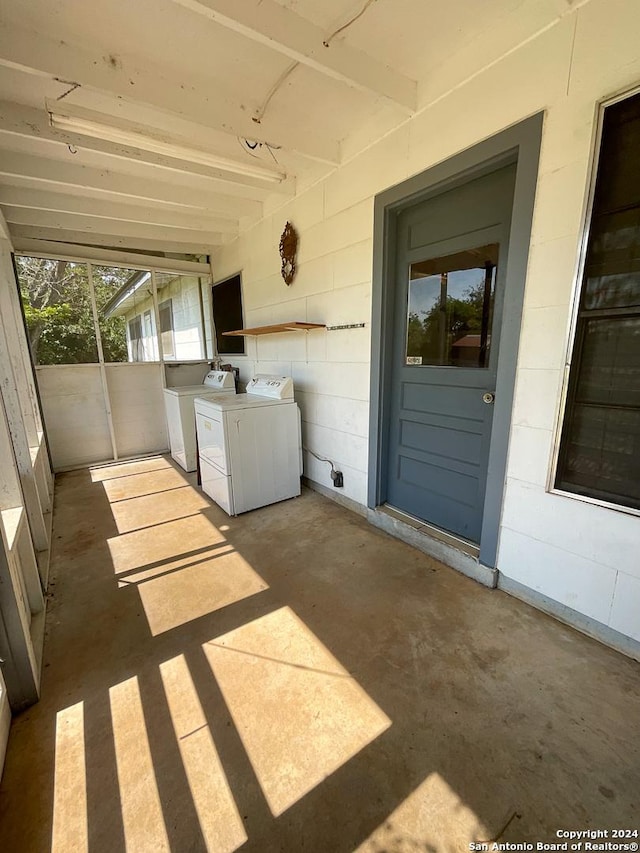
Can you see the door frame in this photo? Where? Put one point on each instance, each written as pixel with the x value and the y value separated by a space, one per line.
pixel 518 144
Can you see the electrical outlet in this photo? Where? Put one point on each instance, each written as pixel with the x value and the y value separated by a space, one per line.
pixel 338 479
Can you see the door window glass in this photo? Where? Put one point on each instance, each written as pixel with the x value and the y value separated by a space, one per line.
pixel 450 308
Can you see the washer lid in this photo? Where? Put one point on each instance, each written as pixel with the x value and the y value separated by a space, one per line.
pixel 233 402
pixel 216 380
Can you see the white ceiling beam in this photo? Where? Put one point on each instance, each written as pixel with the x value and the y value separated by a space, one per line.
pixel 216 207
pixel 77 252
pixel 62 175
pixel 59 235
pixel 4 228
pixel 15 197
pixel 125 77
pixel 273 25
pixel 20 120
pixel 92 225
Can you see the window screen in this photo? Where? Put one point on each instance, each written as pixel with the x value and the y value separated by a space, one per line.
pixel 227 314
pixel 600 444
pixel 58 313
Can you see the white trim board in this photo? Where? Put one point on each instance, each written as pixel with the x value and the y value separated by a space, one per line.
pixel 5 722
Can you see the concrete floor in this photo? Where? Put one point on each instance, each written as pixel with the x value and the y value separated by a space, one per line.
pixel 296 680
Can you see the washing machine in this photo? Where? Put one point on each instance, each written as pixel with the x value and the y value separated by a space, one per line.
pixel 178 404
pixel 250 445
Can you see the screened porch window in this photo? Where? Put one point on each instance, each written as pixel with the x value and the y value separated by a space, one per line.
pixel 600 444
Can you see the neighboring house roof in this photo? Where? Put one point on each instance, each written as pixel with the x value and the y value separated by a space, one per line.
pixel 468 341
pixel 124 299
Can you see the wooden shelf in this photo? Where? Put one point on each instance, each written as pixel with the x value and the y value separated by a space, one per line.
pixel 294 326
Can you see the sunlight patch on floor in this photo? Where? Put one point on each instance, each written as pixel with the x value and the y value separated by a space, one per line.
pixel 221 824
pixel 70 830
pixel 430 813
pixel 149 510
pixel 147 483
pixel 144 828
pixel 183 568
pixel 99 473
pixel 163 543
pixel 299 713
pixel 177 595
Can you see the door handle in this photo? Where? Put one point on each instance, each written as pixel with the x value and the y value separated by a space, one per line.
pixel 488 397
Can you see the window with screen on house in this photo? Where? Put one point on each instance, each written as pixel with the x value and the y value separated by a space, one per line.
pixel 600 443
pixel 226 299
pixel 165 312
pixel 136 344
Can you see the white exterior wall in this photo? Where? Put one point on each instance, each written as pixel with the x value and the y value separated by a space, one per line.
pixel 188 333
pixel 580 555
pixel 187 317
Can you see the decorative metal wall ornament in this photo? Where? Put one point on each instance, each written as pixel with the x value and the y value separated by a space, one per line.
pixel 288 249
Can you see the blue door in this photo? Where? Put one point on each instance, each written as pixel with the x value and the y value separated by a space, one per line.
pixel 451 253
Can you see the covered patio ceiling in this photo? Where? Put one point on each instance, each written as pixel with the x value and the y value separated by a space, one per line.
pixel 168 126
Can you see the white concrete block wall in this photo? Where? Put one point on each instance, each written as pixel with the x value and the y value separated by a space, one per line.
pixel 581 555
pixel 187 321
pixel 185 373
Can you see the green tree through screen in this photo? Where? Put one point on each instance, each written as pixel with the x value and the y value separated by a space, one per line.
pixel 58 312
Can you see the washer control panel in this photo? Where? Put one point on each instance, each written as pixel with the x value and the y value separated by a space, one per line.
pixel 220 379
pixel 275 387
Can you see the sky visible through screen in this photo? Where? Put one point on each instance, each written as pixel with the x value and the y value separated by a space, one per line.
pixel 425 292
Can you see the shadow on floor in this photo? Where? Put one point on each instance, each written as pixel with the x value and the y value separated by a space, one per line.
pixel 294 679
